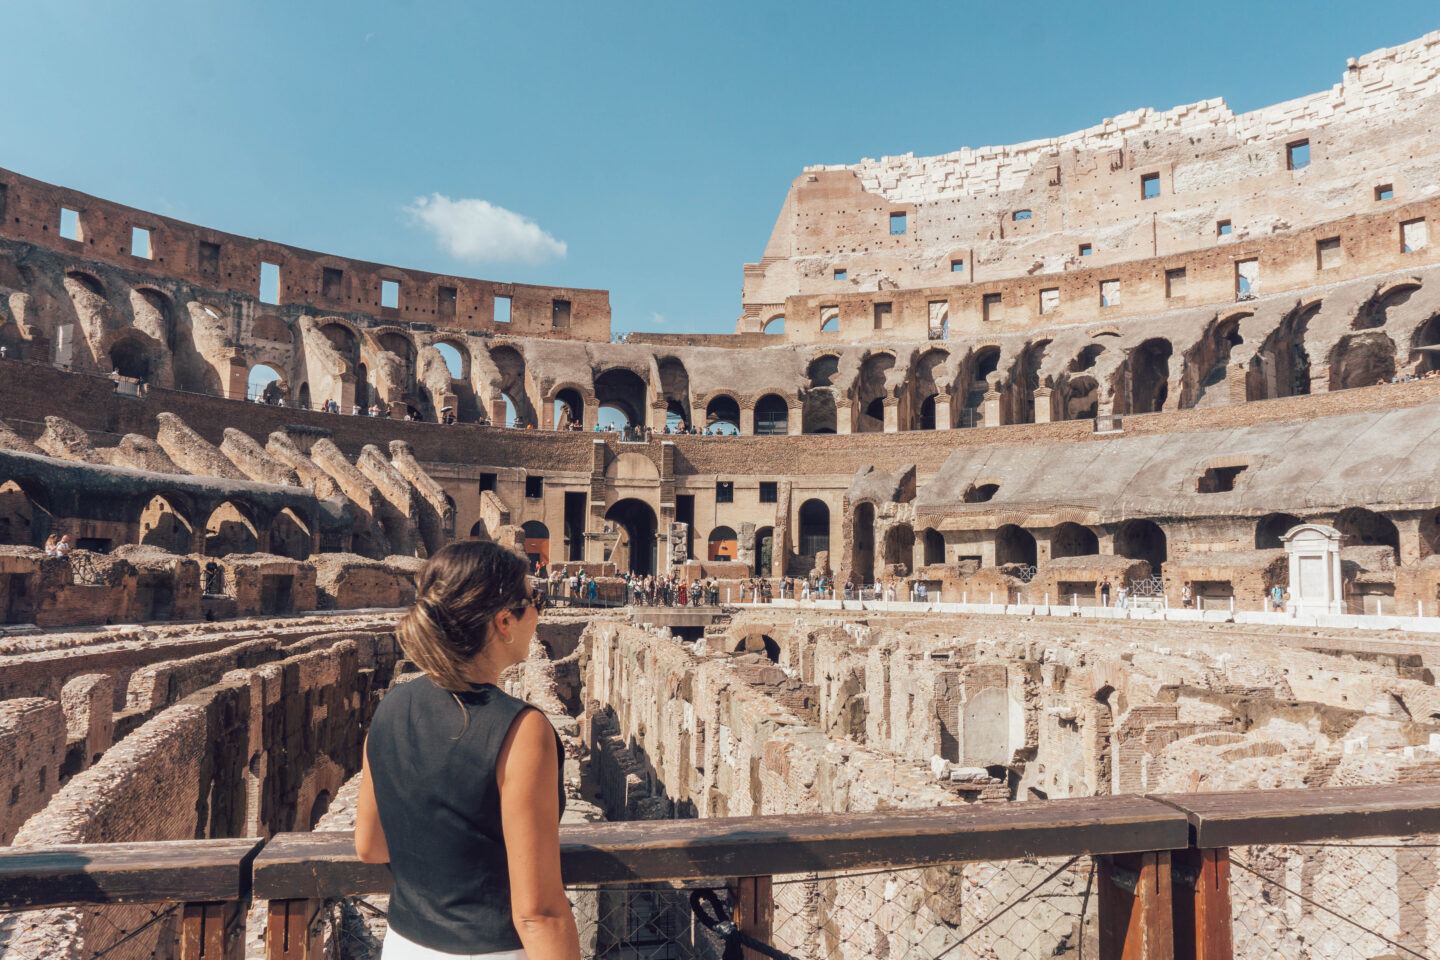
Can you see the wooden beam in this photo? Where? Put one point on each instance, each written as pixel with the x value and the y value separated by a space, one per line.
pixel 1240 818
pixel 754 911
pixel 213 931
pixel 188 870
pixel 324 864
pixel 293 930
pixel 1200 886
pixel 1135 911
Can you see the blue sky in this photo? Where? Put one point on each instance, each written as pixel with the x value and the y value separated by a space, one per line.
pixel 640 148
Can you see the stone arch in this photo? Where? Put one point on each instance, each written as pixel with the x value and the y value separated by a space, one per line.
pixel 723 408
pixel 624 391
pixel 264 382
pixel 342 336
pixel 537 542
pixel 814 517
pixel 862 530
pixel 636 545
pixel 1425 347
pixel 1014 544
pixel 1073 540
pixel 899 551
pixel 818 415
pixel 290 536
pixel 723 543
pixel 131 357
pixel 1362 359
pixel 1271 527
pixel 924 387
pixel 231 528
pixel 1207 363
pixel 154 315
pixel 822 369
pixel 510 365
pixel 569 406
pixel 1080 398
pixel 871 392
pixel 982 361
pixel 1142 540
pixel 775 326
pixel 772 416
pixel 88 281
pixel 1375 313
pixel 673 389
pixel 456 354
pixel 1019 402
pixel 1366 528
pixel 1281 367
pixel 401 345
pixel 934 546
pixel 24 517
pixel 164 523
pixel 756 642
pixel 1147 376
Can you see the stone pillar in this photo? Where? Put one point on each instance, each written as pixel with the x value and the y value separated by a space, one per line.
pixel 1044 545
pixel 747 418
pixel 943 416
pixel 547 415
pixel 1044 404
pixel 892 414
pixel 1107 544
pixel 992 407
pixel 658 412
pixel 592 413
pixel 844 418
pixel 398 409
pixel 1409 530
pixel 238 377
pixel 1235 383
pixel 795 420
pixel 346 399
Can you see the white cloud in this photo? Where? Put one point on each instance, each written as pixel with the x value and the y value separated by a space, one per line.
pixel 477 230
pixel 656 318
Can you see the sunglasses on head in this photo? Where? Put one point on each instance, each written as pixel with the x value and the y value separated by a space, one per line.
pixel 537 600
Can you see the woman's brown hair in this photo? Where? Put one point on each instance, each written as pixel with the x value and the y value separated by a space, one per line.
pixel 459 591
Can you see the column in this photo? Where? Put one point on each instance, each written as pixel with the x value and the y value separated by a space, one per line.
pixel 592 413
pixel 943 417
pixel 991 407
pixel 1044 404
pixel 844 419
pixel 658 412
pixel 747 418
pixel 892 414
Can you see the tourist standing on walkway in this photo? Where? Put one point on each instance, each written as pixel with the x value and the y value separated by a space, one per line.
pixel 461 791
pixel 1105 592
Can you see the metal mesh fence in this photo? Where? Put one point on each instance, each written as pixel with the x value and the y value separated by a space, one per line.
pixel 1337 901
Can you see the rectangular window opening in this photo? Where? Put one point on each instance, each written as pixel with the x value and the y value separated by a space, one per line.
pixel 1223 228
pixel 1175 282
pixel 560 314
pixel 4 196
pixel 1109 293
pixel 882 316
pixel 1218 479
pixel 1086 249
pixel 1149 186
pixel 1327 253
pixel 332 282
pixel 957 266
pixel 990 306
pixel 487 482
pixel 840 273
pixel 1385 191
pixel 1247 278
pixel 209 258
pixel 1297 155
pixel 897 224
pixel 70 225
pixel 140 243
pixel 269 282
pixel 769 491
pixel 502 309
pixel 445 298
pixel 724 491
pixel 390 294
pixel 534 487
pixel 1020 215
pixel 1049 300
pixel 1414 235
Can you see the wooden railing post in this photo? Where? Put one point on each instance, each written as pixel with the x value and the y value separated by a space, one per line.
pixel 754 910
pixel 293 930
pixel 1136 915
pixel 1201 888
pixel 213 930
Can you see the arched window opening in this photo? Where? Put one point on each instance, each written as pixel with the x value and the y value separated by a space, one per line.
pixel 569 408
pixel 1073 540
pixel 634 548
pixel 537 542
pixel 722 412
pixel 1014 544
pixel 822 370
pixel 863 532
pixel 1142 540
pixel 454 362
pixel 163 526
pixel 934 547
pixel 290 536
pixel 624 391
pixel 899 553
pixel 926 420
pixel 263 384
pixel 772 416
pixel 1149 376
pixel 723 544
pixel 775 326
pixel 814 528
pixel 1366 528
pixel 1272 527
pixel 764 550
pixel 230 530
pixel 130 359
pixel 818 414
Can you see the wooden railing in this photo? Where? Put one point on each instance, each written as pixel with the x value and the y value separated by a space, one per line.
pixel 1162 861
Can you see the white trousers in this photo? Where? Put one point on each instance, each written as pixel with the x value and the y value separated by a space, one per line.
pixel 397 947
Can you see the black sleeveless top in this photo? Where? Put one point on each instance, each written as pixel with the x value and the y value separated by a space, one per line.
pixel 434 781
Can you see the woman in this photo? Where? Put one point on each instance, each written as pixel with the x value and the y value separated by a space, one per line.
pixel 51 546
pixel 461 790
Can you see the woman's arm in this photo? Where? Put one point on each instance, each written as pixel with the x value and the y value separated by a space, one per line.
pixel 529 779
pixel 369 835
